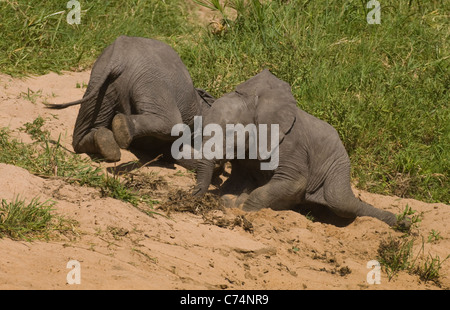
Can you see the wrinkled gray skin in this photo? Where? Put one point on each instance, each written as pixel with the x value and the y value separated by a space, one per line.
pixel 313 163
pixel 138 90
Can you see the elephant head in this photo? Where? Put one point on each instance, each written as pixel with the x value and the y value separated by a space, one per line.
pixel 251 122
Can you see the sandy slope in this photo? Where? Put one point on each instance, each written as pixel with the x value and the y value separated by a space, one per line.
pixel 120 247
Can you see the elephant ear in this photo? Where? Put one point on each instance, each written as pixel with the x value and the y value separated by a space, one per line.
pixel 207 97
pixel 276 109
pixel 273 102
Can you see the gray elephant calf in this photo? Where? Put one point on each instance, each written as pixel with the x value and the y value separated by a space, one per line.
pixel 313 163
pixel 138 90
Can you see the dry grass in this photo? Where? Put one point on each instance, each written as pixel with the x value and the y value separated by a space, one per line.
pixel 209 206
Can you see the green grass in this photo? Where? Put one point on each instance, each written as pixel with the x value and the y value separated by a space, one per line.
pixel 383 87
pixel 36 37
pixel 397 254
pixel 48 158
pixel 32 220
pixel 21 220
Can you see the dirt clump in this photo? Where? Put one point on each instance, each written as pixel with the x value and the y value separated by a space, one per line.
pixel 209 206
pixel 180 200
pixel 146 183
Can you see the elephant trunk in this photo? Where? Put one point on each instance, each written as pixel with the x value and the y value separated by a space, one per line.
pixel 205 169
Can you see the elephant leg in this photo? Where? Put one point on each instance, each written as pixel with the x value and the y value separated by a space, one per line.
pixel 241 199
pixel 128 127
pixel 340 198
pixel 100 141
pixel 238 182
pixel 233 201
pixel 123 130
pixel 278 194
pixel 91 134
pixel 228 200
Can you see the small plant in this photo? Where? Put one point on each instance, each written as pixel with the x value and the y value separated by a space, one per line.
pixel 395 255
pixel 31 95
pixel 434 236
pixel 310 217
pixel 408 219
pixel 115 188
pixel 35 131
pixel 82 85
pixel 429 270
pixel 179 173
pixel 19 220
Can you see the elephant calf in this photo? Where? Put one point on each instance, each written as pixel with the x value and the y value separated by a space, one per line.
pixel 313 164
pixel 138 90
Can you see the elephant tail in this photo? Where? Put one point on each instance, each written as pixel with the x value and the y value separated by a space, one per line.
pixel 110 74
pixel 64 105
pixel 112 70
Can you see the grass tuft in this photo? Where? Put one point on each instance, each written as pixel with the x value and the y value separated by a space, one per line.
pixel 49 159
pixel 21 220
pixel 397 254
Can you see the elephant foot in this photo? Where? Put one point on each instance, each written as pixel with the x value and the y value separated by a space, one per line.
pixel 228 200
pixel 233 201
pixel 122 131
pixel 106 145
